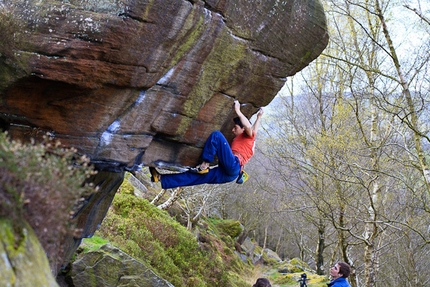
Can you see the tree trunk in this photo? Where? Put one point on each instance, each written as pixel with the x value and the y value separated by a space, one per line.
pixel 175 195
pixel 320 248
pixel 265 239
pixel 412 120
pixel 159 195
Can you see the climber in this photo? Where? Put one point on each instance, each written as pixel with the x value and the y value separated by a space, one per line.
pixel 230 159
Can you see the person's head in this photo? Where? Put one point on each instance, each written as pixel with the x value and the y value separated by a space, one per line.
pixel 238 122
pixel 262 282
pixel 238 127
pixel 341 269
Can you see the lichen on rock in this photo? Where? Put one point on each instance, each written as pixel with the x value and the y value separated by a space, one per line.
pixel 23 262
pixel 111 267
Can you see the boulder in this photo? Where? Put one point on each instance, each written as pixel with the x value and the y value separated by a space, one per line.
pixel 23 262
pixel 143 83
pixel 248 246
pixel 272 255
pixel 134 83
pixel 110 267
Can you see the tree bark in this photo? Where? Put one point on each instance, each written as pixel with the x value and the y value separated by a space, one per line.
pixel 320 248
pixel 175 195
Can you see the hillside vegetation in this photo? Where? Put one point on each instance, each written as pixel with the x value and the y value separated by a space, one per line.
pixel 150 235
pixel 204 257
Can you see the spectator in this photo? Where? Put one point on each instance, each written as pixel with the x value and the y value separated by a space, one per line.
pixel 338 274
pixel 262 282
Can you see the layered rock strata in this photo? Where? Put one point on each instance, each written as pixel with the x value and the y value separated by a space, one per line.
pixel 143 83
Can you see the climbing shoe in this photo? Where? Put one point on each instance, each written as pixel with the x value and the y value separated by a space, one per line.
pixel 155 176
pixel 243 177
pixel 198 170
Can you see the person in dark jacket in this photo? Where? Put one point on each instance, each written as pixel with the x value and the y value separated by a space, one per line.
pixel 338 274
pixel 262 282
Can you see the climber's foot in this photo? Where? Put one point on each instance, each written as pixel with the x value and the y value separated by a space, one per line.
pixel 203 168
pixel 155 176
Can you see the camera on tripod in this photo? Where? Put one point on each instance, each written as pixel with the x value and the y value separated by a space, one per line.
pixel 302 280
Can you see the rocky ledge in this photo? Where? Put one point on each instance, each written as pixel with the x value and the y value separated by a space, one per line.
pixel 143 83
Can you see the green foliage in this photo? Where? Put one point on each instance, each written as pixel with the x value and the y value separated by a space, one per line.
pixel 92 244
pixel 231 228
pixel 292 280
pixel 40 167
pixel 42 184
pixel 298 265
pixel 12 39
pixel 269 261
pixel 288 279
pixel 10 30
pixel 152 236
pixel 126 186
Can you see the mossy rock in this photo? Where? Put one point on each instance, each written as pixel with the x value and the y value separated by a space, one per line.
pixel 23 261
pixel 151 236
pixel 228 227
pixel 298 265
pixel 109 266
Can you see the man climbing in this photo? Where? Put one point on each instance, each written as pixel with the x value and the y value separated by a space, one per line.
pixel 230 159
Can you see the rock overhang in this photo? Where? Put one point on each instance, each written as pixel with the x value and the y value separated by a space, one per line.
pixel 145 82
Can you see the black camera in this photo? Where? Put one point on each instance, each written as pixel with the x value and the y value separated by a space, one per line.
pixel 302 280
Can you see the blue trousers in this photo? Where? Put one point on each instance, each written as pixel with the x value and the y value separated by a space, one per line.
pixel 228 165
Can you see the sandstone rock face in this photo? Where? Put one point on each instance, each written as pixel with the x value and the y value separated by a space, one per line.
pixel 134 83
pixel 110 267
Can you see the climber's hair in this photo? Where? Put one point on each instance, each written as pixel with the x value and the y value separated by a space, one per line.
pixel 238 122
pixel 262 282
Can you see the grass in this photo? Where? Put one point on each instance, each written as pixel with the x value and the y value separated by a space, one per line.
pixel 153 237
pixel 92 244
pixel 42 183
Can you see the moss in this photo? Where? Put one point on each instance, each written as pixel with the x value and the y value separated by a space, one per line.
pixel 291 279
pixel 24 260
pixel 317 280
pixel 126 187
pixel 192 31
pixel 267 260
pixel 227 227
pixel 258 250
pixel 298 265
pixel 39 186
pixel 232 228
pixel 92 244
pixel 270 261
pixel 14 234
pixel 223 59
pixel 152 236
pixel 137 223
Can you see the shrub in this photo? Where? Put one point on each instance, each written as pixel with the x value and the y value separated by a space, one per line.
pixel 231 228
pixel 10 30
pixel 298 265
pixel 42 183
